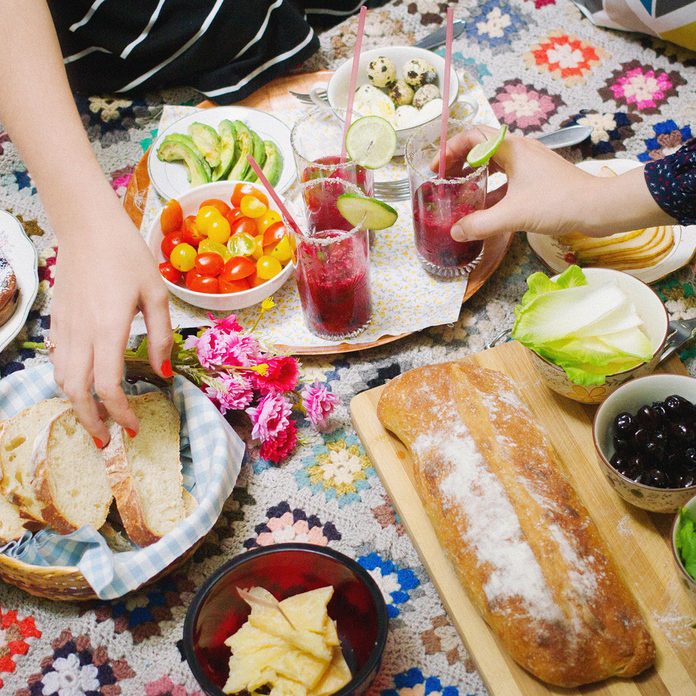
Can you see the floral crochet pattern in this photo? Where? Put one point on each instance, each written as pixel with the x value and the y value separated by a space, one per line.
pixel 495 24
pixel 668 138
pixel 387 517
pixel 565 56
pixel 442 638
pixel 15 634
pixel 395 583
pixel 523 106
pixel 338 468
pixel 414 683
pixel 164 686
pixel 285 525
pixel 609 131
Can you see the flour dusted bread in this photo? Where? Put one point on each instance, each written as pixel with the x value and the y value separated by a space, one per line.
pixel 145 471
pixel 520 540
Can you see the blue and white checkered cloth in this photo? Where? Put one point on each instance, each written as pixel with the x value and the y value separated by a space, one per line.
pixel 211 454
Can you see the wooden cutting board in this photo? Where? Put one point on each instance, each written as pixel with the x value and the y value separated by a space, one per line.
pixel 638 540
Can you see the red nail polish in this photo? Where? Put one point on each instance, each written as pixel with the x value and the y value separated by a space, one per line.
pixel 167 368
pixel 131 432
pixel 98 443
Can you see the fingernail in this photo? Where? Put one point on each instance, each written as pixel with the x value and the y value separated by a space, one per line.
pixel 98 442
pixel 457 233
pixel 166 368
pixel 131 432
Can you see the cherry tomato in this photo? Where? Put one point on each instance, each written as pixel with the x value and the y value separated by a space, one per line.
pixel 193 273
pixel 252 207
pixel 233 285
pixel 257 280
pixel 241 244
pixel 241 190
pixel 283 250
pixel 209 264
pixel 237 268
pixel 169 241
pixel 246 225
pixel 202 283
pixel 183 257
pixel 274 234
pixel 266 220
pixel 267 267
pixel 193 235
pixel 171 217
pixel 209 246
pixel 234 215
pixel 216 203
pixel 169 272
pixel 206 216
pixel 258 247
pixel 219 230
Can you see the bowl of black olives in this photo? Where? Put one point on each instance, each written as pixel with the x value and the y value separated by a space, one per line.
pixel 645 435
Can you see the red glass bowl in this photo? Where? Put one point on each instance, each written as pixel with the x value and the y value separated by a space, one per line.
pixel 217 611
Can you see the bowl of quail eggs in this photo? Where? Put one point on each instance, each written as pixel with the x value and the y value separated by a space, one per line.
pixel 402 84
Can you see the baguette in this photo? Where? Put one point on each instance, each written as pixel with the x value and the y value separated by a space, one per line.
pixel 520 540
pixel 145 471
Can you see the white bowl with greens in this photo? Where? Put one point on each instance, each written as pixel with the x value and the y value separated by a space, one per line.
pixel 684 546
pixel 590 330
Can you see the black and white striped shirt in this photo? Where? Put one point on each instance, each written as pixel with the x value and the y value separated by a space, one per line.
pixel 226 49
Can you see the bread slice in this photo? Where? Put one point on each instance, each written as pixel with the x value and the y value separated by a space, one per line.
pixel 70 478
pixel 190 503
pixel 11 526
pixel 145 471
pixel 16 447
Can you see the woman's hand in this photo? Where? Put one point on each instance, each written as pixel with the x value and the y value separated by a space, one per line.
pixel 102 279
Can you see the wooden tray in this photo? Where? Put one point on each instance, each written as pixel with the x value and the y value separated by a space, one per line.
pixel 274 96
pixel 639 541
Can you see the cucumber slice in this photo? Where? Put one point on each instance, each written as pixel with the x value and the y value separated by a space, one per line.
pixel 371 142
pixel 481 153
pixel 368 213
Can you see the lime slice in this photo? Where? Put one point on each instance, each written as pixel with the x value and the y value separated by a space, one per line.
pixel 481 153
pixel 371 142
pixel 368 213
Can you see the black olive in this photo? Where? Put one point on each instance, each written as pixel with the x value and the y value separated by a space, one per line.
pixel 625 424
pixel 690 458
pixel 647 418
pixel 654 451
pixel 655 478
pixel 622 445
pixel 642 437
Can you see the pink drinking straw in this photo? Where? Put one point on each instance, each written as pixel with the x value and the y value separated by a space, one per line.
pixel 353 78
pixel 445 93
pixel 267 184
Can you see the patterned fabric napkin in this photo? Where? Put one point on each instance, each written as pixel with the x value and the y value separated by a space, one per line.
pixel 211 455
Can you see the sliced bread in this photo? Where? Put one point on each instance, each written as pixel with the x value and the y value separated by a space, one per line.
pixel 145 471
pixel 70 478
pixel 11 526
pixel 16 447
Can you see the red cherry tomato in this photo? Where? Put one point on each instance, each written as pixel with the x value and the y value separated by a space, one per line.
pixel 233 285
pixel 241 190
pixel 169 241
pixel 209 264
pixel 244 224
pixel 193 235
pixel 169 272
pixel 237 268
pixel 216 203
pixel 171 217
pixel 273 234
pixel 201 283
pixel 234 215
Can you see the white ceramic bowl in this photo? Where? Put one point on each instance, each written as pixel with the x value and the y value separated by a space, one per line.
pixel 655 324
pixel 190 202
pixel 688 582
pixel 630 397
pixel 337 89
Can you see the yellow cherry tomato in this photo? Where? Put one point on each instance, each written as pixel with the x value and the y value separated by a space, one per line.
pixel 266 220
pixel 205 215
pixel 282 250
pixel 241 244
pixel 258 247
pixel 252 207
pixel 219 230
pixel 209 246
pixel 183 257
pixel 267 267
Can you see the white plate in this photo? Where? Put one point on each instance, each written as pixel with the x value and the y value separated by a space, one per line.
pixel 170 179
pixel 21 254
pixel 552 252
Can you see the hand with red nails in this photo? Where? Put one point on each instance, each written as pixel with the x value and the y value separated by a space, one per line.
pixel 547 194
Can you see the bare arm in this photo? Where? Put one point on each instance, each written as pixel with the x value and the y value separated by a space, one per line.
pixel 105 272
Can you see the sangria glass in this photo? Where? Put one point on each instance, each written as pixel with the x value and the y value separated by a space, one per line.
pixel 439 203
pixel 316 144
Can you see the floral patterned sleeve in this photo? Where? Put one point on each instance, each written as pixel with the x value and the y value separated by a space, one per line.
pixel 672 183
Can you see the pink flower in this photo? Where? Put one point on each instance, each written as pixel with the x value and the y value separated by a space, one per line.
pixel 279 447
pixel 216 347
pixel 235 393
pixel 319 403
pixel 228 323
pixel 270 417
pixel 281 375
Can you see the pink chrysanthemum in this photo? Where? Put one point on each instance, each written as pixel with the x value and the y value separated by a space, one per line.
pixel 281 446
pixel 281 375
pixel 234 393
pixel 319 403
pixel 270 417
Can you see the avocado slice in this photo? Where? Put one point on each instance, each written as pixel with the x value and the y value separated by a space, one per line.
pixel 182 138
pixel 207 141
pixel 228 149
pixel 259 155
pixel 174 150
pixel 273 167
pixel 245 145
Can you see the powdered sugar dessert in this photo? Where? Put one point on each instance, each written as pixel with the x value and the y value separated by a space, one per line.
pixel 9 292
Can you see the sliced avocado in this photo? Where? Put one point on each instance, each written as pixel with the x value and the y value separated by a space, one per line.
pixel 259 155
pixel 207 141
pixel 273 167
pixel 228 149
pixel 173 150
pixel 182 138
pixel 245 145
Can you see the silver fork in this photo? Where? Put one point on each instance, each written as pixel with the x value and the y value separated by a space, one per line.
pixel 392 190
